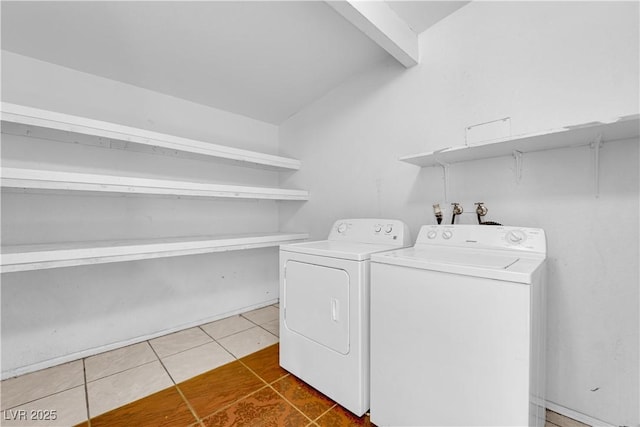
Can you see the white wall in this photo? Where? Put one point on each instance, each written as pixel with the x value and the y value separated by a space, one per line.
pixel 54 315
pixel 545 65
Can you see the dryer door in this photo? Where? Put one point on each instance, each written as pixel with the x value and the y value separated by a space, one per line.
pixel 316 303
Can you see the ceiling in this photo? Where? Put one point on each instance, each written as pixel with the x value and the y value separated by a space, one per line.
pixel 262 59
pixel 420 15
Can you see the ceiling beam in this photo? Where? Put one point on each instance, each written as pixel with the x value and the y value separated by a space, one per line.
pixel 382 25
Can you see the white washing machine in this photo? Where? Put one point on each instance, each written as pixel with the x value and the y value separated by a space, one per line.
pixel 324 307
pixel 457 329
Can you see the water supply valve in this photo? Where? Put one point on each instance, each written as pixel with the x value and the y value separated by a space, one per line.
pixel 437 212
pixel 456 210
pixel 481 209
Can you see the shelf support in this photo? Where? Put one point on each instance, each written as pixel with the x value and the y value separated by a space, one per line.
pixel 445 178
pixel 595 147
pixel 517 155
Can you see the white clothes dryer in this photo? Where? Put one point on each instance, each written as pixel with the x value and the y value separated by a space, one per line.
pixel 324 307
pixel 457 329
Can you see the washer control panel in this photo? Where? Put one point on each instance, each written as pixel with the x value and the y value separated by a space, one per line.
pixel 371 230
pixel 483 236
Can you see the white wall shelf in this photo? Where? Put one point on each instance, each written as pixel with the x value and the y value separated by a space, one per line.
pixel 22 120
pixel 585 134
pixel 32 179
pixel 45 256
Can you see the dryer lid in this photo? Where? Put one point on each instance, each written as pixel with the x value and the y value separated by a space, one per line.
pixel 336 249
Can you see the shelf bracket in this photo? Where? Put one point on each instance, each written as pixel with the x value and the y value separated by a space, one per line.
pixel 517 155
pixel 445 178
pixel 595 147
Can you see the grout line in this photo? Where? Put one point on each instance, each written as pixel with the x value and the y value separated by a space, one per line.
pixel 230 335
pixel 183 351
pixel 260 324
pixel 221 346
pixel 246 318
pixel 162 364
pixel 41 397
pixel 290 403
pixel 232 403
pixel 225 349
pixel 325 412
pixel 254 350
pixel 175 385
pixel 276 391
pixel 119 372
pixel 86 391
pixel 277 336
pixel 256 374
pixel 219 338
pixel 184 398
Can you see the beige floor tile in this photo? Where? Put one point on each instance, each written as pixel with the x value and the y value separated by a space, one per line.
pixel 36 385
pixel 229 326
pixel 262 315
pixel 562 421
pixel 118 360
pixel 119 389
pixel 195 361
pixel 66 408
pixel 273 327
pixel 179 341
pixel 247 342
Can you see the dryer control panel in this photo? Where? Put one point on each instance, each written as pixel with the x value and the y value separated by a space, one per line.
pixel 371 230
pixel 483 236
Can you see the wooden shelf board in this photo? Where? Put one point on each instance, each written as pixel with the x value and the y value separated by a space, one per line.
pixel 71 181
pixel 622 128
pixel 45 256
pixel 23 120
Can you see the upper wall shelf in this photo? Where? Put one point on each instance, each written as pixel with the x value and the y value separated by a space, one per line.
pixel 38 257
pixel 68 128
pixel 622 128
pixel 32 179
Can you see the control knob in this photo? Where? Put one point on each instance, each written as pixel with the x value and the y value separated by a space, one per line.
pixel 377 228
pixel 447 234
pixel 432 234
pixel 515 237
pixel 342 227
pixel 389 229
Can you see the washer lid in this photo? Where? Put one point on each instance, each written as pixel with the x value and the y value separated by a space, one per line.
pixel 335 249
pixel 479 259
pixel 500 265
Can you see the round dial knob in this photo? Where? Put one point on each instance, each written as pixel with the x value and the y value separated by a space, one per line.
pixel 446 234
pixel 515 237
pixel 377 228
pixel 342 227
pixel 389 229
pixel 432 234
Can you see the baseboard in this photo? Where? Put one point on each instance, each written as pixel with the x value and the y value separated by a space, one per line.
pixel 97 350
pixel 578 416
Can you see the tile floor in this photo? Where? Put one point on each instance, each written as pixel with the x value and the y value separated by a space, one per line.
pixel 88 388
pixel 225 373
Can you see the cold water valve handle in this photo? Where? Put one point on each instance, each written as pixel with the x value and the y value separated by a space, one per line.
pixel 481 210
